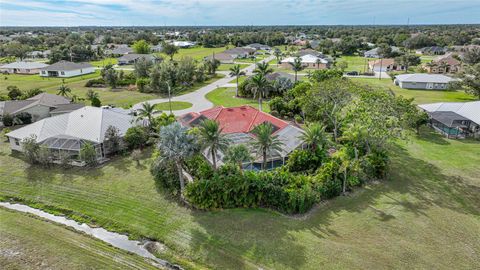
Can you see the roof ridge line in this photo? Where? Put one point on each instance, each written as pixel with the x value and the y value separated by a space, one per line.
pixel 253 119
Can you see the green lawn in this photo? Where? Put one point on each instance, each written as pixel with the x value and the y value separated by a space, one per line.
pixel 421 96
pixel 26 82
pixel 104 62
pixel 30 243
pixel 355 63
pixel 240 79
pixel 226 97
pixel 226 67
pixel 424 216
pixel 197 53
pixel 119 97
pixel 176 105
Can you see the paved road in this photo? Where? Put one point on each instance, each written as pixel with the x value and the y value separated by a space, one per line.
pixel 197 98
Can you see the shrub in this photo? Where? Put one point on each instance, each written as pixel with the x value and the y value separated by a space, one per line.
pixel 88 154
pixel 96 102
pixel 326 182
pixel 198 167
pixel 31 148
pixel 136 137
pixel 7 120
pixel 304 160
pixel 24 117
pixel 13 92
pixel 100 82
pixel 165 175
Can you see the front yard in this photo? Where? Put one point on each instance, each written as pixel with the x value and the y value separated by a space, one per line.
pixel 425 215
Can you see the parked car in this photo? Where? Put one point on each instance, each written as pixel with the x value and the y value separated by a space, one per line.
pixel 352 73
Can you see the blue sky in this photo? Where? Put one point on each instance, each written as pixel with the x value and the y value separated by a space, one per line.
pixel 235 12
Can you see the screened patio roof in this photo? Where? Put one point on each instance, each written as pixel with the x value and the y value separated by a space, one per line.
pixel 65 142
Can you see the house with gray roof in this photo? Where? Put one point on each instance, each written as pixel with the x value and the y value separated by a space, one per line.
pixel 240 52
pixel 22 67
pixel 132 58
pixel 454 119
pixel 224 58
pixel 258 46
pixel 38 106
pixel 66 134
pixel 66 69
pixel 374 53
pixel 423 81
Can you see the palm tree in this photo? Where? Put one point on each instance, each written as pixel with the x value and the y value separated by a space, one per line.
pixel 265 141
pixel 296 66
pixel 238 154
pixel 64 90
pixel 431 65
pixel 318 62
pixel 236 72
pixel 176 144
pixel 211 138
pixel 314 136
pixel 259 86
pixel 278 55
pixel 91 95
pixel 263 68
pixel 147 111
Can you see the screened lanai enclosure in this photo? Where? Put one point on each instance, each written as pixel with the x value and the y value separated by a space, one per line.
pixel 67 146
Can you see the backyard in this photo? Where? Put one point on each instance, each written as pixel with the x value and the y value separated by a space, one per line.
pixel 36 242
pixel 421 96
pixel 428 199
pixel 226 97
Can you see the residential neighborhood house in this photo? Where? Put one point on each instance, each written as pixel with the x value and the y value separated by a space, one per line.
pixel 224 58
pixel 39 106
pixel 66 69
pixel 22 67
pixel 132 58
pixel 434 50
pixel 238 122
pixel 385 65
pixel 67 133
pixel 455 119
pixel 258 46
pixel 308 61
pixel 423 81
pixel 444 64
pixel 240 52
pixel 374 53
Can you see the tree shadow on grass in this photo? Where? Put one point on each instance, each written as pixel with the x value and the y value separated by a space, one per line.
pixel 255 238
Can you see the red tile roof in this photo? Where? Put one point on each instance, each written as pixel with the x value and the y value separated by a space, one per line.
pixel 236 119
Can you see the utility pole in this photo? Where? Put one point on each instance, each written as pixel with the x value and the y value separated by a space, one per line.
pixel 169 97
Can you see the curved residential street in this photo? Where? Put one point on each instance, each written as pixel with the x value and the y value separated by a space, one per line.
pixel 197 98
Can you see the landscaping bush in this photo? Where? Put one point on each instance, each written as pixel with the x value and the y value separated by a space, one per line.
pixel 24 117
pixel 95 83
pixel 228 188
pixel 165 174
pixel 198 167
pixel 136 137
pixel 304 160
pixel 7 120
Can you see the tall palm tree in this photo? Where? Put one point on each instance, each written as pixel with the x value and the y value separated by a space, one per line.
pixel 296 66
pixel 265 141
pixel 263 68
pixel 176 144
pixel 147 111
pixel 314 136
pixel 238 154
pixel 64 90
pixel 259 86
pixel 236 72
pixel 211 138
pixel 278 55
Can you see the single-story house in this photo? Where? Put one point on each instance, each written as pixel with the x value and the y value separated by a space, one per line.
pixel 67 133
pixel 464 48
pixel 39 54
pixel 224 58
pixel 434 50
pixel 455 119
pixel 276 75
pixel 66 108
pixel 444 64
pixel 240 52
pixel 304 52
pixel 132 58
pixel 423 81
pixel 239 122
pixel 121 49
pixel 22 67
pixel 384 65
pixel 39 106
pixel 66 69
pixel 308 61
pixel 258 46
pixel 373 53
pixel 183 44
pixel 299 42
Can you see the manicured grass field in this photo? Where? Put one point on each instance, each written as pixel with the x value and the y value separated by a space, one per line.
pixel 226 97
pixel 240 80
pixel 26 82
pixel 30 243
pixel 421 96
pixel 226 67
pixel 355 63
pixel 197 53
pixel 424 216
pixel 176 105
pixel 104 62
pixel 119 97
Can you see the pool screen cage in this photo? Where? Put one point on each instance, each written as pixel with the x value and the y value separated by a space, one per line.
pixel 70 145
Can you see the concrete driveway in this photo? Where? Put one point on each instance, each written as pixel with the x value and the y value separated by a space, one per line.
pixel 197 98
